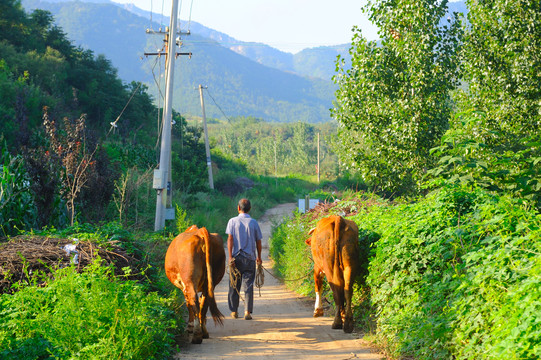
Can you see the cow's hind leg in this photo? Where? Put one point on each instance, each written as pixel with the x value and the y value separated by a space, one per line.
pixel 348 293
pixel 203 315
pixel 338 294
pixel 192 302
pixel 318 282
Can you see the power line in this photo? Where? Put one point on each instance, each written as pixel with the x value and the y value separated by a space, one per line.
pixel 218 106
pixel 190 18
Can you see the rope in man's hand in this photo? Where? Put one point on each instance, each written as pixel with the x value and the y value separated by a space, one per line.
pixel 259 277
pixel 235 276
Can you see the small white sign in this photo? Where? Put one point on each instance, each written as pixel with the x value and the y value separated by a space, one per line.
pixel 312 204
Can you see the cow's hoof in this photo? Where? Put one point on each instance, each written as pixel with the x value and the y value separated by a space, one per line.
pixel 348 327
pixel 336 325
pixel 318 312
pixel 205 335
pixel 197 340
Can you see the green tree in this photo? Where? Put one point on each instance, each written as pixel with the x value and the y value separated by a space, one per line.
pixel 393 103
pixel 494 141
pixel 17 211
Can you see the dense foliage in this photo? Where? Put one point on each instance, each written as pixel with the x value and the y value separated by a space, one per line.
pixel 393 104
pixel 455 275
pixel 276 149
pixel 86 315
pixel 494 138
pixel 16 205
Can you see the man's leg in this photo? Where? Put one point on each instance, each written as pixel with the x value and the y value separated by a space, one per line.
pixel 248 277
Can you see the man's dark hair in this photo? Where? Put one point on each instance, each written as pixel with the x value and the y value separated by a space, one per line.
pixel 244 205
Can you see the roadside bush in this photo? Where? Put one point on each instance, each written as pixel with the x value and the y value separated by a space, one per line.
pixel 292 257
pixel 86 315
pixel 456 275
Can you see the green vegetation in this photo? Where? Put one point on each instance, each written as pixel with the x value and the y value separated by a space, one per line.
pixel 450 260
pixel 87 315
pixel 277 149
pixel 454 275
pixel 394 102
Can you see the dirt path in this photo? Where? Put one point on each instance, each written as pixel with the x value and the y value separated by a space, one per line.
pixel 282 325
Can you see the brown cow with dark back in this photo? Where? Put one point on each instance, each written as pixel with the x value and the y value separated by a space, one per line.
pixel 335 250
pixel 195 262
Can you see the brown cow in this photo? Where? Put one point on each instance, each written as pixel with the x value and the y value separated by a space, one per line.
pixel 335 250
pixel 195 262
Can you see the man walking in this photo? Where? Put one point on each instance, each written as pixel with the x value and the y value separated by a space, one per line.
pixel 243 240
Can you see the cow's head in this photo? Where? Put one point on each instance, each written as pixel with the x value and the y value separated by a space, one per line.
pixel 309 240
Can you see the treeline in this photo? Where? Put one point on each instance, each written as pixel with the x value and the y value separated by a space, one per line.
pixel 70 129
pixel 445 98
pixel 277 149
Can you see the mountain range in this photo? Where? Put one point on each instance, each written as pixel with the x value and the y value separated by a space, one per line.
pixel 242 78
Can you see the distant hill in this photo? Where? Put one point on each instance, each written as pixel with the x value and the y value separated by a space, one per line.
pixel 313 62
pixel 238 85
pixel 244 79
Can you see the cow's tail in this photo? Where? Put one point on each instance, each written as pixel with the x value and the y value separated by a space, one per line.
pixel 336 267
pixel 217 316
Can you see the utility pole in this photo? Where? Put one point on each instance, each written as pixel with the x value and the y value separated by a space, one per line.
pixel 162 175
pixel 318 158
pixel 207 147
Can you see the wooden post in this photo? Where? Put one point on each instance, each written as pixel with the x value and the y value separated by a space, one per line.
pixel 207 146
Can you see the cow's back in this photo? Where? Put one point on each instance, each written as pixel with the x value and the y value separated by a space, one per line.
pixel 334 249
pixel 185 260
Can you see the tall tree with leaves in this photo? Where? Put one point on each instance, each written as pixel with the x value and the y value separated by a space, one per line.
pixel 495 140
pixel 393 103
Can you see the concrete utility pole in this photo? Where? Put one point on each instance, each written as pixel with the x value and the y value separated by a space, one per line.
pixel 207 147
pixel 318 158
pixel 162 175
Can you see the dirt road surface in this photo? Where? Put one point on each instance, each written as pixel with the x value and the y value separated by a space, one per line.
pixel 282 325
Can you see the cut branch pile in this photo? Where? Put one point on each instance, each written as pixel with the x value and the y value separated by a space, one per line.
pixel 349 206
pixel 26 256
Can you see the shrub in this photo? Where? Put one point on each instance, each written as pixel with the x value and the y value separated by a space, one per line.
pixel 86 315
pixel 457 275
pixel 17 210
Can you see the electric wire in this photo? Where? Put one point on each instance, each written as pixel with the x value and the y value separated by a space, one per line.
pixel 113 124
pixel 151 5
pixel 178 14
pixel 190 17
pixel 218 106
pixel 161 22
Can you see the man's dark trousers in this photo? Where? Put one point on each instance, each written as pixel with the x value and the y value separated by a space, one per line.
pixel 246 267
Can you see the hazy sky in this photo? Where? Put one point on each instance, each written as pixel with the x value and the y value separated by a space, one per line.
pixel 288 25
